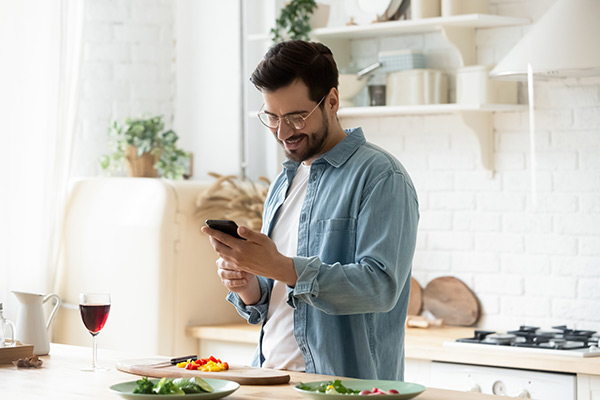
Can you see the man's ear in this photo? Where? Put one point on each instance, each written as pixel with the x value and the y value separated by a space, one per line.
pixel 332 102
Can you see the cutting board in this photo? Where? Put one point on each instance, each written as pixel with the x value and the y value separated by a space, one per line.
pixel 415 299
pixel 240 374
pixel 450 299
pixel 14 352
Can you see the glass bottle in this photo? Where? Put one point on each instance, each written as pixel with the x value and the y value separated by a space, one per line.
pixel 3 324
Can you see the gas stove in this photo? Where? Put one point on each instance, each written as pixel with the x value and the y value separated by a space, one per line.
pixel 558 340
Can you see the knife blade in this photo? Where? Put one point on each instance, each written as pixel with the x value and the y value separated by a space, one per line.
pixel 172 361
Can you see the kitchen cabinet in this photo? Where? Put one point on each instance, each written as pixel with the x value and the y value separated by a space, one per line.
pixel 458 30
pixel 426 349
pixel 588 387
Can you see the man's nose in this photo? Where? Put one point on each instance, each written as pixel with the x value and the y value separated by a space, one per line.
pixel 284 130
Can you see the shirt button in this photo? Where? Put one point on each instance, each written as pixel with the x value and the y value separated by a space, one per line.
pixel 302 217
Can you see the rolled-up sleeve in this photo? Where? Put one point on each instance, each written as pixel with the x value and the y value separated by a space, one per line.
pixel 255 313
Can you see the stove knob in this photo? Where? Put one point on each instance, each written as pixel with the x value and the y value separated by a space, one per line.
pixel 499 388
pixel 524 394
pixel 475 388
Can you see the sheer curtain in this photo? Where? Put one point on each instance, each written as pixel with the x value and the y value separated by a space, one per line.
pixel 41 44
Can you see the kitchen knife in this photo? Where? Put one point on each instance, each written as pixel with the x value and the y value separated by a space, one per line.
pixel 172 361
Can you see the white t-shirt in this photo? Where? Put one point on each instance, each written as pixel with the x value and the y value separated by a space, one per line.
pixel 279 345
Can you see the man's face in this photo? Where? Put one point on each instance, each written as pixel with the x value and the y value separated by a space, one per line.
pixel 304 144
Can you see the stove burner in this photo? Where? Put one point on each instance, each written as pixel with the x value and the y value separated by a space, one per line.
pixel 478 336
pixel 500 338
pixel 559 338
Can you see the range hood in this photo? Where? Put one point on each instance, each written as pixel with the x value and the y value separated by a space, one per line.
pixel 563 43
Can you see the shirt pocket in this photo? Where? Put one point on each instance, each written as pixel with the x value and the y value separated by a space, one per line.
pixel 336 240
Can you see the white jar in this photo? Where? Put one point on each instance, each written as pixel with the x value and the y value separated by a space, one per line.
pixel 420 9
pixel 474 86
pixel 461 7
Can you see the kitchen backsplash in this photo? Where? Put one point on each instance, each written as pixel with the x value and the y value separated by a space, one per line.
pixel 528 263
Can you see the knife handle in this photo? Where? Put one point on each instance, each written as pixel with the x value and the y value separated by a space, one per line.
pixel 177 360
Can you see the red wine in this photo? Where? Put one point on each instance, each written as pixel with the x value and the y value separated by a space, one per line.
pixel 94 316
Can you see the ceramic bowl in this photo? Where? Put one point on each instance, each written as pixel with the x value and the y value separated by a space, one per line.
pixel 349 87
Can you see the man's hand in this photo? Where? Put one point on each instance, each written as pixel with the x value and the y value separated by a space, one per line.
pixel 256 255
pixel 241 282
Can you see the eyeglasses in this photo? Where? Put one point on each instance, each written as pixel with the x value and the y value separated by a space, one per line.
pixel 296 121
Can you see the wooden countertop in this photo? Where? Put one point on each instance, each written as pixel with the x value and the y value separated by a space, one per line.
pixel 428 344
pixel 61 378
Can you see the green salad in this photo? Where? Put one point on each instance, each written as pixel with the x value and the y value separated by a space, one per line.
pixel 173 386
pixel 331 387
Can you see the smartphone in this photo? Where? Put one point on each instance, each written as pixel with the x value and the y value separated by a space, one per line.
pixel 224 225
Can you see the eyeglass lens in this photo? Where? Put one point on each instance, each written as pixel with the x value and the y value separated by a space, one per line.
pixel 272 121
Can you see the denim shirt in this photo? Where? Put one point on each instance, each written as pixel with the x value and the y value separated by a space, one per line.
pixel 356 240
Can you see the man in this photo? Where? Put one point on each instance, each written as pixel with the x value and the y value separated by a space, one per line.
pixel 329 276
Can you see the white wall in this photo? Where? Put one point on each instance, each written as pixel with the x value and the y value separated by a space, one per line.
pixel 128 71
pixel 208 75
pixel 527 265
pixel 177 58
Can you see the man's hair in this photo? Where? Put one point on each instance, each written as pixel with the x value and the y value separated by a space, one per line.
pixel 287 61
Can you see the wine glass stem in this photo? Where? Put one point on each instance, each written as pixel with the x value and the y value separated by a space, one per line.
pixel 94 351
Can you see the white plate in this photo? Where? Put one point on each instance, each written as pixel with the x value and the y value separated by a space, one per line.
pixel 221 388
pixel 365 12
pixel 376 7
pixel 405 390
pixel 393 7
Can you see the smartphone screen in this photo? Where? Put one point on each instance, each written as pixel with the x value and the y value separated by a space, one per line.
pixel 224 225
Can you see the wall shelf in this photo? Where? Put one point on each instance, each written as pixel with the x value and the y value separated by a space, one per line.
pixel 459 31
pixel 476 117
pixel 416 26
pixel 390 111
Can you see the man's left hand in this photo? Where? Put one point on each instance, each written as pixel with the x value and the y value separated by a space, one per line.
pixel 257 254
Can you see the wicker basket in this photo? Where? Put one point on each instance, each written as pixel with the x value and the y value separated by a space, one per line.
pixel 142 166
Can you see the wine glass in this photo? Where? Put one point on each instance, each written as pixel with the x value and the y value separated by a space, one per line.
pixel 94 310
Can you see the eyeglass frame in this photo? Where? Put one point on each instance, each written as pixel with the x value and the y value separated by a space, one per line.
pixel 287 116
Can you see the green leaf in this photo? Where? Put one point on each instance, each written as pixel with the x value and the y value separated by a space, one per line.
pixel 293 21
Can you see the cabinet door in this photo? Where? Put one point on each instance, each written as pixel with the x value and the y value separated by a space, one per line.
pixel 588 387
pixel 417 371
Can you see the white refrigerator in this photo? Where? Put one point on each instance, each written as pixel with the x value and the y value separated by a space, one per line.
pixel 139 239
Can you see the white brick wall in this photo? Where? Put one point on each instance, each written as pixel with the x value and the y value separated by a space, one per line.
pixel 528 264
pixel 127 71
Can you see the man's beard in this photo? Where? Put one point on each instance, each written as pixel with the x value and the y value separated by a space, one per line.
pixel 315 142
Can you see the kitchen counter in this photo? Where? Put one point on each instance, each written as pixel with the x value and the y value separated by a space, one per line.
pixel 61 378
pixel 428 345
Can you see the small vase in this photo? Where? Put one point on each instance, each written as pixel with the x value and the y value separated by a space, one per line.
pixel 320 16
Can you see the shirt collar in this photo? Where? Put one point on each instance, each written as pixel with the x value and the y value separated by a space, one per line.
pixel 340 153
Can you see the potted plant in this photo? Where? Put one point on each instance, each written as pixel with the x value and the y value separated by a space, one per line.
pixel 295 20
pixel 144 149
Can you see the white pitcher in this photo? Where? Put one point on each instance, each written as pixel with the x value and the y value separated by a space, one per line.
pixel 32 327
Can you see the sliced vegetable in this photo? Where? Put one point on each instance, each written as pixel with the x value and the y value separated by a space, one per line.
pixel 193 385
pixel 144 386
pixel 166 386
pixel 336 387
pixel 210 364
pixel 179 386
pixel 330 387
